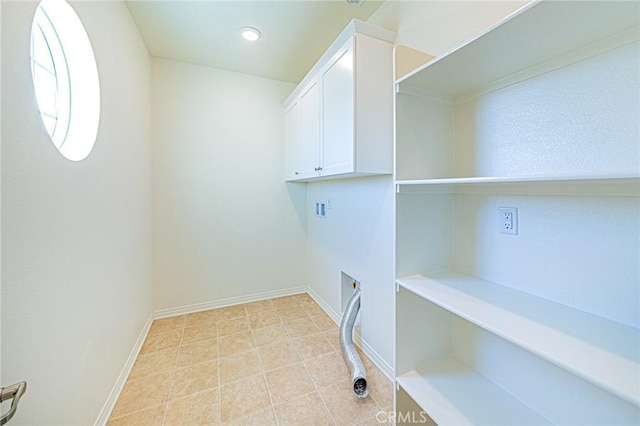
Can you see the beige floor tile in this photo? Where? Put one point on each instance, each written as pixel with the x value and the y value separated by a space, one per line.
pixel 272 334
pixel 147 417
pixel 278 355
pixel 312 346
pixel 201 318
pixel 327 370
pixel 194 353
pixel 159 341
pixel 260 306
pixel 344 407
pixel 333 336
pixel 236 343
pixel 263 319
pixel 208 367
pixel 313 309
pixel 262 418
pixel 143 393
pixel 307 410
pixel 234 325
pixel 292 313
pixel 154 363
pixel 304 299
pixel 324 322
pixel 193 379
pixel 288 383
pixel 166 324
pixel 243 398
pixel 381 418
pixel 301 327
pixel 380 388
pixel 197 409
pixel 237 367
pixel 230 312
pixel 295 299
pixel 286 302
pixel 199 332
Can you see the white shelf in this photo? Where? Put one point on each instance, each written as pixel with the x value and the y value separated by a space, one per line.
pixel 586 179
pixel 453 394
pixel 535 34
pixel 600 351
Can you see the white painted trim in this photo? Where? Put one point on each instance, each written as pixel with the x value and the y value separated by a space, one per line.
pixel 336 317
pixel 110 403
pixel 386 369
pixel 425 94
pixel 198 307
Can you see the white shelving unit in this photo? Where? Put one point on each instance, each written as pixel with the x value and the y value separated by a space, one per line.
pixel 601 351
pixel 482 402
pixel 540 113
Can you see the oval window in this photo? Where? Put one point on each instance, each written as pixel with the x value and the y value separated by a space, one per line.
pixel 65 79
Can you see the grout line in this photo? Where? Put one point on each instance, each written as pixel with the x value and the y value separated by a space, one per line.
pixel 173 370
pixel 219 393
pixel 304 363
pixel 324 403
pixel 134 412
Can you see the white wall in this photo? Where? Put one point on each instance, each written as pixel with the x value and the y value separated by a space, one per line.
pixel 76 236
pixel 585 254
pixel 356 238
pixel 225 224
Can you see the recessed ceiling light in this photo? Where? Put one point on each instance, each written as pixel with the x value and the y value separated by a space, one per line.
pixel 250 33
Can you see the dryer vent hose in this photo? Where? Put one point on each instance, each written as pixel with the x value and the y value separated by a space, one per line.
pixel 351 358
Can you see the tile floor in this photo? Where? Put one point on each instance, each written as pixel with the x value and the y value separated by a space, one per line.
pixel 273 362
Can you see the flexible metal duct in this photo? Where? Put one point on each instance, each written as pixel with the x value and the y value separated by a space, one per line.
pixel 351 358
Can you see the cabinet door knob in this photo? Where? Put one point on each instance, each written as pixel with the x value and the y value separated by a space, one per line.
pixel 297 173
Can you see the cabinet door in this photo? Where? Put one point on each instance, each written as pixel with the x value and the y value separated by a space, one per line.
pixel 292 135
pixel 338 114
pixel 307 164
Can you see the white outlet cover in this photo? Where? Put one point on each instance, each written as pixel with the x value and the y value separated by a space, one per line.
pixel 507 226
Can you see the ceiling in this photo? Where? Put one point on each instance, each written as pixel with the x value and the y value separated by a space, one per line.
pixel 294 33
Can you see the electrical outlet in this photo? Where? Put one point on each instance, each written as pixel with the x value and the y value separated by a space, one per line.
pixel 321 209
pixel 508 220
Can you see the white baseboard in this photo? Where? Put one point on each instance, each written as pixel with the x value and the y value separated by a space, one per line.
pixel 108 406
pixel 386 369
pixel 362 344
pixel 190 309
pixel 336 317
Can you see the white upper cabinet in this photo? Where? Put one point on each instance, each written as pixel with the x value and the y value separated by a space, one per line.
pixel 344 109
pixel 302 121
pixel 338 107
